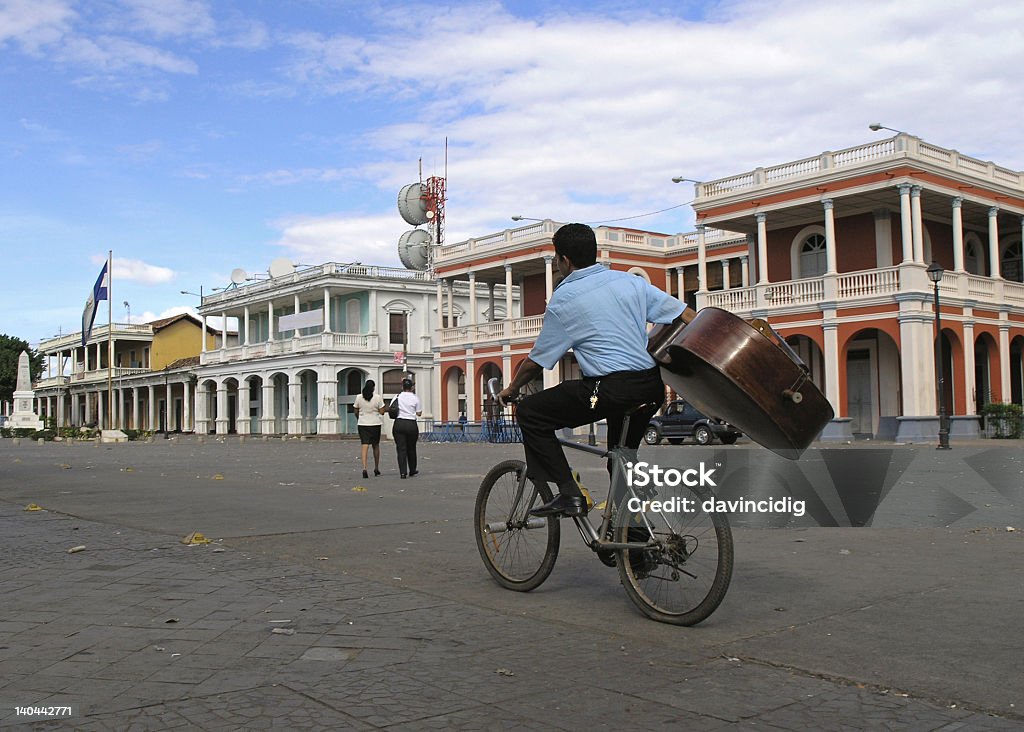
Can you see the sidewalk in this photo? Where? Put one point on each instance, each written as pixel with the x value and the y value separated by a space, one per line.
pixel 396 625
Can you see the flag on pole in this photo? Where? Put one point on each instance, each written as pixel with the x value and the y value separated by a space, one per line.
pixel 99 292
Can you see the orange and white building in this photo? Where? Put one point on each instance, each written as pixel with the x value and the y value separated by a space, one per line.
pixel 832 250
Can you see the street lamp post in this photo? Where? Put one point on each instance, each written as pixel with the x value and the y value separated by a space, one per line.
pixel 935 272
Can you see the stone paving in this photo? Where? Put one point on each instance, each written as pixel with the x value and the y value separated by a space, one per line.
pixel 140 632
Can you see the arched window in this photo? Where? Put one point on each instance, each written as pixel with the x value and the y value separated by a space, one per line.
pixel 1011 264
pixel 974 254
pixel 812 256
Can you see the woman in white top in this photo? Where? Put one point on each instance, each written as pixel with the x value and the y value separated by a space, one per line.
pixel 405 431
pixel 369 407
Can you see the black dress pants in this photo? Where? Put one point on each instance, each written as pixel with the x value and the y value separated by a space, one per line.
pixel 406 434
pixel 568 405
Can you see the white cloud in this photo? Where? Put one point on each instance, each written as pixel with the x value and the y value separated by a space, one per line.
pixel 340 238
pixel 588 118
pixel 171 17
pixel 34 23
pixel 137 271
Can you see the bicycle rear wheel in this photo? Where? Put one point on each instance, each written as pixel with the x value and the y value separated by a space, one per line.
pixel 684 574
pixel 518 551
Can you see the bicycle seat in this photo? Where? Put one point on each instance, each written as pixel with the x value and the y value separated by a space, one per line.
pixel 639 408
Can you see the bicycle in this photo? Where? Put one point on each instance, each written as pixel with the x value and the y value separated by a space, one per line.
pixel 675 565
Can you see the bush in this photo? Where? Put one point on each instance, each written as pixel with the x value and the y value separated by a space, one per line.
pixel 47 435
pixel 1003 421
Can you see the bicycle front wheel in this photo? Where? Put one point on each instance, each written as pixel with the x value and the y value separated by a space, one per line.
pixel 684 573
pixel 518 550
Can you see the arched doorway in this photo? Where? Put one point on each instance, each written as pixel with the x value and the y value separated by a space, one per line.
pixel 986 370
pixel 489 370
pixel 309 405
pixel 231 386
pixel 454 393
pixel 280 401
pixel 1017 370
pixel 252 402
pixel 350 383
pixel 872 361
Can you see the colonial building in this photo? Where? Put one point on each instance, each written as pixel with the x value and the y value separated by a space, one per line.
pixel 833 251
pixel 151 378
pixel 309 340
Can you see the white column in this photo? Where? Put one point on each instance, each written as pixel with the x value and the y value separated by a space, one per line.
pixel 681 283
pixel 970 385
pixel 294 405
pixel 373 316
pixel 451 302
pixel 60 410
pixel 151 403
pixel 169 409
pixel 202 420
pixel 917 224
pixel 75 411
pixel 270 322
pixel 327 310
pixel 471 389
pixel 186 406
pixel 295 331
pixel 440 303
pixel 202 345
pixel 221 422
pixel 327 422
pixel 958 235
pixel 245 337
pixel 508 293
pixel 725 274
pixel 830 237
pixel 1004 362
pixel 490 302
pixel 745 270
pixel 917 363
pixel 549 277
pixel 993 242
pixel 906 224
pixel 702 260
pixel 136 425
pixel 762 248
pixel 268 421
pixel 472 298
pixel 223 330
pixel 101 404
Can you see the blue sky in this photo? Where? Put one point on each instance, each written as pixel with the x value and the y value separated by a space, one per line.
pixel 193 137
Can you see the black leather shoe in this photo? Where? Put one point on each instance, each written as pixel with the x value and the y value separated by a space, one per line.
pixel 413 472
pixel 562 505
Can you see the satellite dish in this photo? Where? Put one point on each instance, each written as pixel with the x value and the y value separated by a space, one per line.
pixel 412 203
pixel 413 249
pixel 280 267
pixel 238 276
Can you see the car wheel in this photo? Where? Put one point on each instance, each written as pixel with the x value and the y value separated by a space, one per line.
pixel 727 439
pixel 651 436
pixel 676 440
pixel 702 435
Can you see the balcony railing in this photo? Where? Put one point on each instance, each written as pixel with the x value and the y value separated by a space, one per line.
pixel 901 146
pixel 514 328
pixel 339 342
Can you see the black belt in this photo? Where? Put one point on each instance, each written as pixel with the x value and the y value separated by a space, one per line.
pixel 643 372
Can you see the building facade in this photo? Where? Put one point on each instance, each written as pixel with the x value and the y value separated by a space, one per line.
pixel 833 251
pixel 309 340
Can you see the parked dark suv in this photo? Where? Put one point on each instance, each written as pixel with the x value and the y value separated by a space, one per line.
pixel 681 420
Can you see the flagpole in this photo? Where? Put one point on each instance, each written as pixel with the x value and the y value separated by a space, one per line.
pixel 110 339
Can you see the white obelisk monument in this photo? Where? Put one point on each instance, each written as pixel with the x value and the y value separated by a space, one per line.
pixel 24 416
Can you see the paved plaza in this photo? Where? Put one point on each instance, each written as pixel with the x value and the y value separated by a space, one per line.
pixel 327 601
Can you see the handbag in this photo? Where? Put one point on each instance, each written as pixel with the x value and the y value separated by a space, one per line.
pixel 393 408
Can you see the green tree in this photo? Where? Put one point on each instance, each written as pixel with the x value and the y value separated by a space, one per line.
pixel 10 350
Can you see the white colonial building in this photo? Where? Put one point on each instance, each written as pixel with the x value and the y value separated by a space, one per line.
pixel 310 338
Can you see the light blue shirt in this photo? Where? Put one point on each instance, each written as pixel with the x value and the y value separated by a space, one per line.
pixel 602 315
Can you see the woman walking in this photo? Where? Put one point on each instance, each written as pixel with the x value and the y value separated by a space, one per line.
pixel 405 431
pixel 369 408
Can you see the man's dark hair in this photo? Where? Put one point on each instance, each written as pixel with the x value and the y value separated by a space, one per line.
pixel 578 243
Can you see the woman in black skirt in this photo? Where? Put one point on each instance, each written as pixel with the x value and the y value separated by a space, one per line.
pixel 369 408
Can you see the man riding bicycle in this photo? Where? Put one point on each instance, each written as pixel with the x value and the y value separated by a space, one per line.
pixel 602 315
